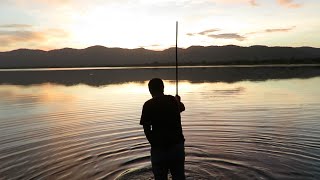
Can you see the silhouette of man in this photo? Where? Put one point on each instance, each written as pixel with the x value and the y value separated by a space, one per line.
pixel 161 122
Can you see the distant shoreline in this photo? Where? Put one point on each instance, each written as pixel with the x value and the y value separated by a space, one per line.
pixel 155 67
pixel 99 56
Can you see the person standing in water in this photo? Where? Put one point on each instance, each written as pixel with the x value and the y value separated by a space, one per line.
pixel 161 122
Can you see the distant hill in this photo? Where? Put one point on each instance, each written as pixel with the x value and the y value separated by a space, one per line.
pixel 194 55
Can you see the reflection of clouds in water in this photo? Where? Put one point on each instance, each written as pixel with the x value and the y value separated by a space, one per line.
pixel 5 93
pixel 141 87
pixel 33 94
pixel 128 87
pixel 49 92
pixel 235 91
pixel 97 78
pixel 14 94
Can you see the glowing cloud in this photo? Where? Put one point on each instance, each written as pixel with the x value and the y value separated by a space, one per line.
pixel 289 3
pixel 13 37
pixel 249 2
pixel 253 3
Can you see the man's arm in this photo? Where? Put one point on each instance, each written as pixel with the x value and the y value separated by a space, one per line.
pixel 181 107
pixel 146 122
pixel 180 104
pixel 147 132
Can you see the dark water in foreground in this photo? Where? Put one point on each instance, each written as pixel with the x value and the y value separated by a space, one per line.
pixel 240 123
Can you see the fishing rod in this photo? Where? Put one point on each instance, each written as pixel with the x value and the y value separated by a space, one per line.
pixel 177 80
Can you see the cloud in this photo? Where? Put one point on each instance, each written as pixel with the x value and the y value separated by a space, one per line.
pixel 155 45
pixel 72 4
pixel 279 30
pixel 288 3
pixel 205 32
pixel 22 33
pixel 249 2
pixel 15 37
pixel 275 30
pixel 208 31
pixel 227 36
pixel 253 3
pixel 46 7
pixel 9 37
pixel 149 46
pixel 48 2
pixel 284 3
pixel 18 26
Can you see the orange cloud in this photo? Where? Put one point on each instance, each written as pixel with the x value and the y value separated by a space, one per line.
pixel 288 3
pixel 18 38
pixel 50 2
pixel 253 3
pixel 250 2
pixel 284 3
pixel 9 37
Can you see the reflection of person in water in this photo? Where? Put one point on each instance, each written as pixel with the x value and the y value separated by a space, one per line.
pixel 161 122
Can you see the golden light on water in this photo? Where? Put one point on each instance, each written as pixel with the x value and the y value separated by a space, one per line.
pixel 221 93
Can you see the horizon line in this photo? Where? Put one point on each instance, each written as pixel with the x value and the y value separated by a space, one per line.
pixel 171 47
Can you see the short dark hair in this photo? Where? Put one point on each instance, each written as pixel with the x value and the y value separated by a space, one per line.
pixel 156 86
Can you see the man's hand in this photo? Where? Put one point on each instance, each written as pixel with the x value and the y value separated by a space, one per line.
pixel 178 98
pixel 148 132
pixel 181 105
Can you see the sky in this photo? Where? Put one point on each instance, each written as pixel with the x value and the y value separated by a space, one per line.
pixel 150 24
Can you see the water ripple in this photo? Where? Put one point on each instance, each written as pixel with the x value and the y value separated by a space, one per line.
pixel 231 133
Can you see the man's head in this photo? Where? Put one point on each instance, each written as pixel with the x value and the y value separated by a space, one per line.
pixel 156 86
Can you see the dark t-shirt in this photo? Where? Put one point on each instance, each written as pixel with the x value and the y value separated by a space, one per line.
pixel 162 113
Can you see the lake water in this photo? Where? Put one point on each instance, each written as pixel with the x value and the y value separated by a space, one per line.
pixel 239 123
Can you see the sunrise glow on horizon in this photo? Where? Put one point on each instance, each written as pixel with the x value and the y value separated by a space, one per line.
pixel 54 24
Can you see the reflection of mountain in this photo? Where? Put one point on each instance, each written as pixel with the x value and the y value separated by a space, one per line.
pixel 104 77
pixel 195 55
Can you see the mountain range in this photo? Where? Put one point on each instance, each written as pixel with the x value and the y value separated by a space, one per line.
pixel 96 56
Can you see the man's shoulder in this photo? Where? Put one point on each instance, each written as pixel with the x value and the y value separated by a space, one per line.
pixel 163 98
pixel 148 102
pixel 158 99
pixel 169 96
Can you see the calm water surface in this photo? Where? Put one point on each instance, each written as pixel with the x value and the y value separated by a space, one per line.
pixel 235 128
